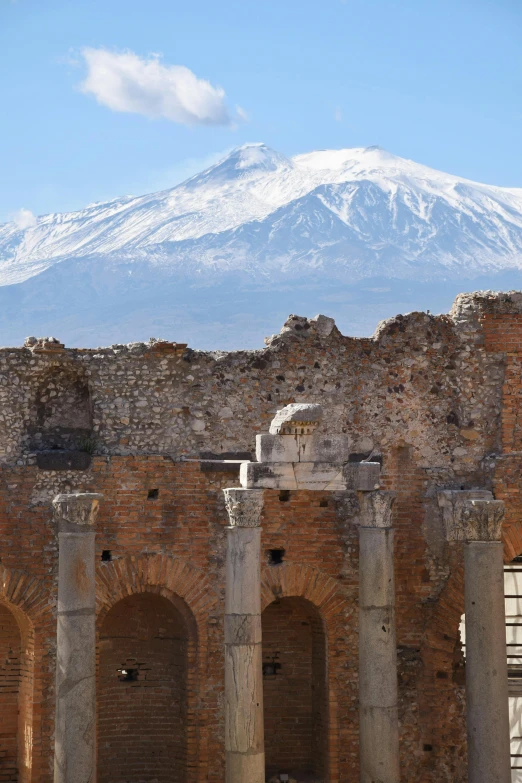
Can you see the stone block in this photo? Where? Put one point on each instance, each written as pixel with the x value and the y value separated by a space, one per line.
pixel 303 448
pixel 310 475
pixel 277 448
pixel 324 448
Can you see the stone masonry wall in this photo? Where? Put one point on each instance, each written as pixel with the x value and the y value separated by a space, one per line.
pixel 435 397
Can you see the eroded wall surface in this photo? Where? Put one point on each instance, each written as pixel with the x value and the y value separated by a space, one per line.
pixel 436 398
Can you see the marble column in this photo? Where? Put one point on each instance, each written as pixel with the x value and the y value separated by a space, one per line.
pixel 378 692
pixel 75 725
pixel 244 730
pixel 477 521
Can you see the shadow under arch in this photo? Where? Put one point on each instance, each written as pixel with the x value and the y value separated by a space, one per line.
pixel 327 599
pixel 188 591
pixel 23 598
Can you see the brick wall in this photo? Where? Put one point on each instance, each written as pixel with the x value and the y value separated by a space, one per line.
pixel 437 398
pixel 173 545
pixel 295 696
pixel 142 680
pixel 10 663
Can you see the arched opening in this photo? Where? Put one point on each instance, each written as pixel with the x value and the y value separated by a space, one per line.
pixel 16 697
pixel 295 690
pixel 142 692
pixel 62 416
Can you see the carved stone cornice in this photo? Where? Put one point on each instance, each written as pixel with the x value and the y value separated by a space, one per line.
pixel 244 506
pixel 471 515
pixel 376 508
pixel 298 418
pixel 77 508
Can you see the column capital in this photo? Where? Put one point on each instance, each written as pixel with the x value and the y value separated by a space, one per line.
pixel 376 508
pixel 244 506
pixel 471 515
pixel 77 508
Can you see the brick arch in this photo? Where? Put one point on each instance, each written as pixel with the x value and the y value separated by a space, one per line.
pixel 295 580
pixel 191 593
pixel 25 595
pixel 29 603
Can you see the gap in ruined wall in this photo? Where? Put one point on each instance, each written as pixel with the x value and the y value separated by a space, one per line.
pixel 276 556
pixel 61 412
pixel 284 495
pixel 106 555
pixel 153 494
pixel 128 674
pixel 361 456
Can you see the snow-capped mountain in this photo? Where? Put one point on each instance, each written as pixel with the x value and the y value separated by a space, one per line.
pixel 258 218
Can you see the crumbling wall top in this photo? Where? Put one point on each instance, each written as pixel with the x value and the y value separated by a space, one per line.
pixel 473 306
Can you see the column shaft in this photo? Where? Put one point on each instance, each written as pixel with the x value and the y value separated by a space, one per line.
pixel 379 728
pixel 486 665
pixel 244 729
pixel 75 728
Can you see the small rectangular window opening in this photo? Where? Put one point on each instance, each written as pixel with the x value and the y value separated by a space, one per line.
pixel 323 503
pixel 284 495
pixel 153 494
pixel 128 675
pixel 276 556
pixel 270 668
pixel 106 555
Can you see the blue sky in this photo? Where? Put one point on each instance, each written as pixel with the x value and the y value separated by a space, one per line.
pixel 439 82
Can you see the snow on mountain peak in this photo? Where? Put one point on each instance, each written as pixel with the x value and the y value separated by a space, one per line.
pixel 259 156
pixel 357 160
pixel 257 211
pixel 249 160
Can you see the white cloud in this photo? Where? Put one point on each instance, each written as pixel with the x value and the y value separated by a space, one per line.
pixel 338 115
pixel 125 82
pixel 24 218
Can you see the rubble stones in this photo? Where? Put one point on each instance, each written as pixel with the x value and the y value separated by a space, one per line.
pixel 416 381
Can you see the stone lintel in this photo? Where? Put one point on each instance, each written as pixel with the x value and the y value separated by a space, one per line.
pixel 471 515
pixel 77 508
pixel 319 476
pixel 376 508
pixel 244 506
pixel 303 448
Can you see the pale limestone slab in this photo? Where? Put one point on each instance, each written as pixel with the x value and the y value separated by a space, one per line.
pixel 322 476
pixel 303 448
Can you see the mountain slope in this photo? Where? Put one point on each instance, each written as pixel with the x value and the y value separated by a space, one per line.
pixel 258 219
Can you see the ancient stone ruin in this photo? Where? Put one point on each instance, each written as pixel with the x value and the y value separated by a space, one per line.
pixel 253 566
